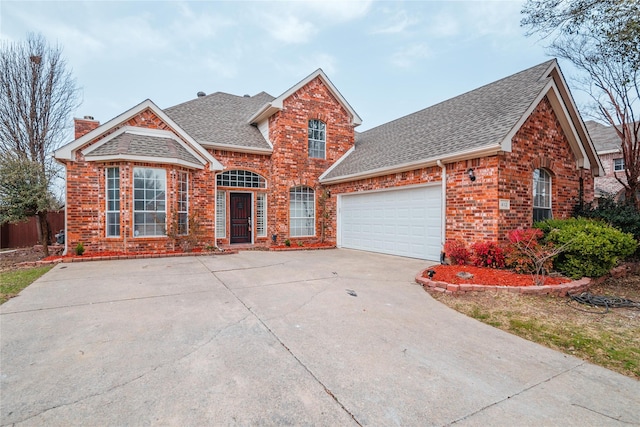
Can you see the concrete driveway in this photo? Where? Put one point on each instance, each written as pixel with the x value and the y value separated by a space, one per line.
pixel 275 338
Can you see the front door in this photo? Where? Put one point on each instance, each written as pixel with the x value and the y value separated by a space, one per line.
pixel 240 210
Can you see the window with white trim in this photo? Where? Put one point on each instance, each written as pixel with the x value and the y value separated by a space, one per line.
pixel 317 139
pixel 541 195
pixel 183 202
pixel 149 202
pixel 261 219
pixel 618 165
pixel 302 217
pixel 240 178
pixel 221 214
pixel 113 202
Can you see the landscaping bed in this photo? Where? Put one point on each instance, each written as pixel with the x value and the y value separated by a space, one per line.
pixel 607 338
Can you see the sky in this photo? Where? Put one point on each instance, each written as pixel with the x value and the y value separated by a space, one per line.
pixel 387 58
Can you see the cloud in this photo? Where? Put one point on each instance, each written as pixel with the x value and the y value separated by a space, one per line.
pixel 406 57
pixel 199 25
pixel 299 22
pixel 400 22
pixel 444 25
pixel 288 28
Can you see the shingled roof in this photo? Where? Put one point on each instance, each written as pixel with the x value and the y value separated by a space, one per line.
pixel 481 118
pixel 222 119
pixel 604 138
pixel 132 144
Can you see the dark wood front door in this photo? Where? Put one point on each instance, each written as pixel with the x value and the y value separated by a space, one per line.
pixel 240 210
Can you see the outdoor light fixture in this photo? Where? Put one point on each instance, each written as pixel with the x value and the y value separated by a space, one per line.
pixel 472 177
pixel 274 237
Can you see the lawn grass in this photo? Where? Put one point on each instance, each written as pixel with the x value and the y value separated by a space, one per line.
pixel 12 282
pixel 611 340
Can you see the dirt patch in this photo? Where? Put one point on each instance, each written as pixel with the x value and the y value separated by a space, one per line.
pixel 11 258
pixel 610 339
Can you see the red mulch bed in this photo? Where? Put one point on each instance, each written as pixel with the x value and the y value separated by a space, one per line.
pixel 101 254
pixel 488 276
pixel 295 245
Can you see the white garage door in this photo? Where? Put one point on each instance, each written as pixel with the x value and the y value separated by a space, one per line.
pixel 403 222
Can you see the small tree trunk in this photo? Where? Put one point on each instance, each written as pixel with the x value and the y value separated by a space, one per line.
pixel 43 232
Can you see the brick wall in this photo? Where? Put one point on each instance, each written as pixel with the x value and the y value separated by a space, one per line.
pixel 290 162
pixel 256 163
pixel 85 187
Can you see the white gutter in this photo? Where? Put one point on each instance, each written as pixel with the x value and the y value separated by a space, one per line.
pixel 443 220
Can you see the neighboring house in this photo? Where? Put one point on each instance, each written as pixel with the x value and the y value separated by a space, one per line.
pixel 257 170
pixel 608 147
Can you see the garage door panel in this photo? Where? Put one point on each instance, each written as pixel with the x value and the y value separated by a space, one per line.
pixel 400 222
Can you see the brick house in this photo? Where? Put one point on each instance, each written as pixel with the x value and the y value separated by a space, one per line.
pixel 607 144
pixel 257 170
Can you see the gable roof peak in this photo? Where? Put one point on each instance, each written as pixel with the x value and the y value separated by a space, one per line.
pixel 276 104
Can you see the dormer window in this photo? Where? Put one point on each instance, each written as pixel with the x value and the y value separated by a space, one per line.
pixel 317 139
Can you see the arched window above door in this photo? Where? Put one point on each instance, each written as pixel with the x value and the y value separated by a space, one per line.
pixel 240 179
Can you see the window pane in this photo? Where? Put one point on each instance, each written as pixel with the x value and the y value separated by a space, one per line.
pixel 301 212
pixel 113 202
pixel 149 202
pixel 221 221
pixel 317 139
pixel 241 179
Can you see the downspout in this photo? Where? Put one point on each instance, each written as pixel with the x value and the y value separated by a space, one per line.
pixel 443 225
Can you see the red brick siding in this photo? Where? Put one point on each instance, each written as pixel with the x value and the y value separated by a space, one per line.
pixel 290 162
pixel 84 126
pixel 539 143
pixel 86 216
pixel 256 163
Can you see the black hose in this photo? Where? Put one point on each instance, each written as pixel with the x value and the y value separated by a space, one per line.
pixel 602 301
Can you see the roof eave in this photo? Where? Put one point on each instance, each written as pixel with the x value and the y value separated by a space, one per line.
pixel 433 161
pixel 143 159
pixel 236 148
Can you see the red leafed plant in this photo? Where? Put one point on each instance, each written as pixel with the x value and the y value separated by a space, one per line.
pixel 487 254
pixel 457 252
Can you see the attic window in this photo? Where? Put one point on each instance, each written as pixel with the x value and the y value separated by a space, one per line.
pixel 317 139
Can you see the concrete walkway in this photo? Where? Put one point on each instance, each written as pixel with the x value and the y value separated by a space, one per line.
pixel 276 338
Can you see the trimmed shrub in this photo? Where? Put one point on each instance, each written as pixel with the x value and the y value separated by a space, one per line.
pixel 79 250
pixel 591 248
pixel 622 215
pixel 487 254
pixel 457 252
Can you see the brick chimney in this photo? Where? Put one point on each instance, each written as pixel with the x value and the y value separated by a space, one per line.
pixel 84 126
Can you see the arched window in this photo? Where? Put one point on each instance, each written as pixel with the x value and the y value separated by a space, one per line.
pixel 240 178
pixel 317 139
pixel 541 195
pixel 302 215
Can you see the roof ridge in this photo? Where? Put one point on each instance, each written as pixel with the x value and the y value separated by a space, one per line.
pixel 540 65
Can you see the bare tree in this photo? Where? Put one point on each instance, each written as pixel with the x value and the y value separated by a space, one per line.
pixel 602 39
pixel 37 97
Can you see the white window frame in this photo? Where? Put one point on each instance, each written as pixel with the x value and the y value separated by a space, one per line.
pixel 317 135
pixel 183 202
pixel 542 180
pixel 112 201
pixel 239 178
pixel 221 214
pixel 150 203
pixel 618 165
pixel 300 219
pixel 261 215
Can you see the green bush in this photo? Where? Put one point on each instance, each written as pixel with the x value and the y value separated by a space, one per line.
pixel 622 215
pixel 79 250
pixel 591 248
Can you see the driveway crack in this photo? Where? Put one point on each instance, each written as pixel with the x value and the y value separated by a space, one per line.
pixel 296 358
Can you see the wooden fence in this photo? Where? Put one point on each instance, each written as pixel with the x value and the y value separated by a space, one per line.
pixel 24 234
